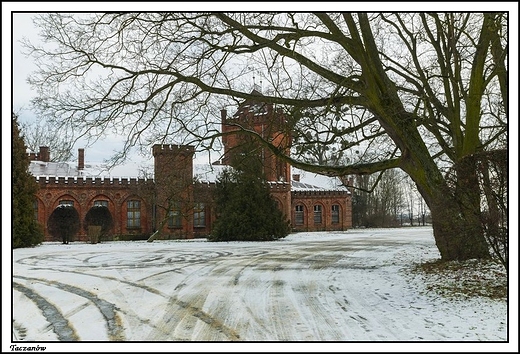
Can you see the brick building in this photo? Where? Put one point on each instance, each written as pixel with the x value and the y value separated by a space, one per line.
pixel 178 200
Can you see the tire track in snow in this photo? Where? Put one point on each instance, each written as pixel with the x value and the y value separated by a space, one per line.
pixel 279 311
pixel 183 312
pixel 303 300
pixel 234 279
pixel 107 309
pixel 59 324
pixel 186 309
pixel 225 273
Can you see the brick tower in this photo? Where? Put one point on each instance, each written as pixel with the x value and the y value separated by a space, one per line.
pixel 266 121
pixel 173 165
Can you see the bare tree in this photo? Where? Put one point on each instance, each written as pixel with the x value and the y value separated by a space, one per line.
pixel 42 134
pixel 404 89
pixel 379 199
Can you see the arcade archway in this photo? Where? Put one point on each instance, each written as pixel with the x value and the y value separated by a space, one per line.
pixel 99 216
pixel 64 223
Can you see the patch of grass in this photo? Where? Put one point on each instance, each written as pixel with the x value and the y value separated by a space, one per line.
pixel 472 278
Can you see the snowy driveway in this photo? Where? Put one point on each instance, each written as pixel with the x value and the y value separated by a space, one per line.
pixel 351 286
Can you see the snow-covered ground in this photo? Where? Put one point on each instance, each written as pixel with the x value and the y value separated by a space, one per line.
pixel 325 291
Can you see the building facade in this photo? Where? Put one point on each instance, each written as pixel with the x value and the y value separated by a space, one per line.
pixel 177 202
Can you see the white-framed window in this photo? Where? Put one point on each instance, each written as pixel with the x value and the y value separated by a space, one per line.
pixel 133 212
pixel 67 202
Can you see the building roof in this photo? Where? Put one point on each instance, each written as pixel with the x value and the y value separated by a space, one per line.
pixel 309 181
pixel 70 169
pixel 207 173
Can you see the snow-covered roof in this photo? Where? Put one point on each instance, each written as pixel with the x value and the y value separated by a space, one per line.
pixel 62 169
pixel 313 181
pixel 308 181
pixel 70 169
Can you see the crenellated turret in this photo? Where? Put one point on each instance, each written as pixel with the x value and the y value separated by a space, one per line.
pixel 266 121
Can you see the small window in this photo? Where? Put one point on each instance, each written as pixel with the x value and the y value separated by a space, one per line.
pixel 67 202
pixel 298 215
pixel 35 208
pixel 101 203
pixel 199 215
pixel 317 214
pixel 335 214
pixel 133 214
pixel 174 216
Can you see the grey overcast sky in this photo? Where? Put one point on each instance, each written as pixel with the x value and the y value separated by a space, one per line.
pixel 21 93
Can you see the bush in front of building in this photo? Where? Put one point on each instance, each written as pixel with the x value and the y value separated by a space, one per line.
pixel 64 223
pixel 99 216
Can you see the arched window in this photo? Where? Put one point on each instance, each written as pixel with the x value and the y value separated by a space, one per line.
pixel 317 214
pixel 298 215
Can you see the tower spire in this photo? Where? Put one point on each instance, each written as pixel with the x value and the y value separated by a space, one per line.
pixel 256 87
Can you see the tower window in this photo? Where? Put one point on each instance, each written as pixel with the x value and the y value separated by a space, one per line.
pixel 35 208
pixel 174 216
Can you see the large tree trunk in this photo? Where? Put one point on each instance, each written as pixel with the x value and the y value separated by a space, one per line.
pixel 457 237
pixel 454 205
pixel 456 215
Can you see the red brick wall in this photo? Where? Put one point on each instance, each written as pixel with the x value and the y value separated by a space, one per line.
pixel 326 199
pixel 269 126
pixel 174 180
pixel 84 191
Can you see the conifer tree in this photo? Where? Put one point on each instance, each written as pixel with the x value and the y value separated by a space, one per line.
pixel 246 210
pixel 26 231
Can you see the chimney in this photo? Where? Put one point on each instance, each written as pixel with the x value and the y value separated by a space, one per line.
pixel 350 184
pixel 44 154
pixel 296 177
pixel 81 159
pixel 223 115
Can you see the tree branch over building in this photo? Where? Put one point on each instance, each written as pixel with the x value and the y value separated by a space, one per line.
pixel 417 91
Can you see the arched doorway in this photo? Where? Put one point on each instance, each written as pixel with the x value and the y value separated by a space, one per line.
pixel 99 215
pixel 64 223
